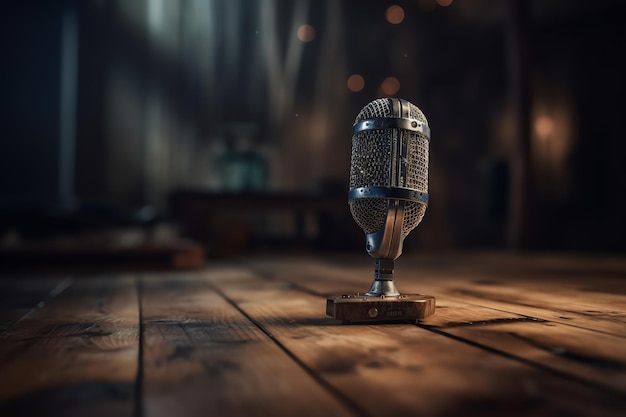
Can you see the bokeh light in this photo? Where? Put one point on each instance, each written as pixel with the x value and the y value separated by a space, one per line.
pixel 306 33
pixel 544 127
pixel 390 86
pixel 394 14
pixel 356 83
pixel 444 3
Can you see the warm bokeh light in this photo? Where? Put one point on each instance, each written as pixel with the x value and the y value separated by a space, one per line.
pixel 544 127
pixel 356 83
pixel 390 86
pixel 394 14
pixel 444 3
pixel 306 33
pixel 553 138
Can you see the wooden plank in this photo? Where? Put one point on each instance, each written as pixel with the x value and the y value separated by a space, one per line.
pixel 582 353
pixel 549 291
pixel 406 370
pixel 76 356
pixel 548 297
pixel 600 313
pixel 20 297
pixel 204 357
pixel 325 279
pixel 599 358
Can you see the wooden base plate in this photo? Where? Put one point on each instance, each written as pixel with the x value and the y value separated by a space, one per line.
pixel 363 308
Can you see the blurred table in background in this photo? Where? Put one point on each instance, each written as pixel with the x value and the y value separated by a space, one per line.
pixel 92 236
pixel 540 335
pixel 230 224
pixel 49 256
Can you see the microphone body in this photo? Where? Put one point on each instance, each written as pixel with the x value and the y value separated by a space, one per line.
pixel 389 174
pixel 388 180
pixel 388 197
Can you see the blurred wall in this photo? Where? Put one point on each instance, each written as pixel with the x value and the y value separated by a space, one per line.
pixel 164 89
pixel 30 38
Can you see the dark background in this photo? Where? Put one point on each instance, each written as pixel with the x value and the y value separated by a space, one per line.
pixel 110 109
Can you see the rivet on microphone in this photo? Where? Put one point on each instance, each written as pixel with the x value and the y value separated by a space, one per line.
pixel 373 312
pixel 414 124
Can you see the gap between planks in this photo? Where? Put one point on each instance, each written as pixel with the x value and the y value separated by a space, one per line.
pixel 605 320
pixel 202 355
pixel 352 359
pixel 575 352
pixel 347 401
pixel 76 355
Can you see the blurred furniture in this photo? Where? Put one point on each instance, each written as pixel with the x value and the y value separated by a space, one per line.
pixel 172 254
pixel 91 236
pixel 512 336
pixel 231 224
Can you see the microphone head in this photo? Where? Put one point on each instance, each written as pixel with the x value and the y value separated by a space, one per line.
pixel 389 173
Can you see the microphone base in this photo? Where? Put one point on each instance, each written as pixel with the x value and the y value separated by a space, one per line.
pixel 355 308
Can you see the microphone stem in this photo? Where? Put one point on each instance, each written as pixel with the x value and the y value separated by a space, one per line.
pixel 383 279
pixel 383 269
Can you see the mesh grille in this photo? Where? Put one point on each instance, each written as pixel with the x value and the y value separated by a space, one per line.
pixel 370 167
pixel 371 153
pixel 381 107
pixel 413 214
pixel 369 213
pixel 417 162
pixel 416 113
pixel 371 149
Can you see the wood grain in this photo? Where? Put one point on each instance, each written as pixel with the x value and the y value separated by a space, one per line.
pixel 20 297
pixel 585 354
pixel 580 309
pixel 404 369
pixel 514 336
pixel 204 357
pixel 76 356
pixel 598 358
pixel 584 291
pixel 598 307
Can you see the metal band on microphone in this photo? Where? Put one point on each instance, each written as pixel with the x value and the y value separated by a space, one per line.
pixel 391 123
pixel 396 193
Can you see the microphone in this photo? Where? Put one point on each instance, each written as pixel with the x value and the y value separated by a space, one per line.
pixel 388 197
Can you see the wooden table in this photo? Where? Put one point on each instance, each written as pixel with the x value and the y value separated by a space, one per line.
pixel 540 335
pixel 232 224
